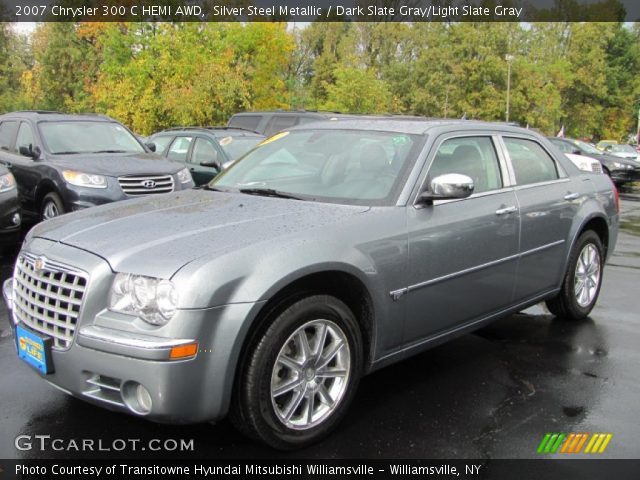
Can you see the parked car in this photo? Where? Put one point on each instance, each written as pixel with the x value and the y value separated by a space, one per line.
pixel 584 163
pixel 205 151
pixel 10 218
pixel 327 252
pixel 270 122
pixel 620 170
pixel 65 162
pixel 622 151
pixel 603 144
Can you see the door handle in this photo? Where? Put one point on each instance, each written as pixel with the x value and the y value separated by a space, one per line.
pixel 572 196
pixel 506 210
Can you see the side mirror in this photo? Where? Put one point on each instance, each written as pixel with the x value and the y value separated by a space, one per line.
pixel 213 162
pixel 575 151
pixel 151 146
pixel 449 186
pixel 29 151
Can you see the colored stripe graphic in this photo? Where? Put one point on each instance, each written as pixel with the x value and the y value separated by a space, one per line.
pixel 574 442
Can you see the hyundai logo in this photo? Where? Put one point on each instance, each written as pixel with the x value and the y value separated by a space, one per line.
pixel 149 184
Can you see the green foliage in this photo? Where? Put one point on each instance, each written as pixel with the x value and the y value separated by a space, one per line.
pixel 152 76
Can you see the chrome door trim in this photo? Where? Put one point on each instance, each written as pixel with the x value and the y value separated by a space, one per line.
pixel 396 294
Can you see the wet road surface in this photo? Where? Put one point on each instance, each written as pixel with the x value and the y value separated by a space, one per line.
pixel 491 394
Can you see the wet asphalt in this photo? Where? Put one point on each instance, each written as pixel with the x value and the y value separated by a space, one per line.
pixel 490 394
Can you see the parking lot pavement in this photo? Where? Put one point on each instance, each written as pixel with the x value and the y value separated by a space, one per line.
pixel 491 394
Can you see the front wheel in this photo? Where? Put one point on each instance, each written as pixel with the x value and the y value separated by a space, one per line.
pixel 582 282
pixel 300 375
pixel 51 206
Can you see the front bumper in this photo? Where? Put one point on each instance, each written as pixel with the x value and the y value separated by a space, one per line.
pixel 112 354
pixel 10 218
pixel 625 176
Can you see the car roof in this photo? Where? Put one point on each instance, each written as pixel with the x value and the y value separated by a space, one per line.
pixel 215 131
pixel 50 116
pixel 412 125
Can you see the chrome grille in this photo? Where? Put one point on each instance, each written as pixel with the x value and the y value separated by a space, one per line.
pixel 48 298
pixel 146 185
pixel 596 167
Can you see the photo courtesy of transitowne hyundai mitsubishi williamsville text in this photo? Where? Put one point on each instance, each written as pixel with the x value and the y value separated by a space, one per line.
pixel 330 250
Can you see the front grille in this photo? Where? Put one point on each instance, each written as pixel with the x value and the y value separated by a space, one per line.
pixel 146 185
pixel 596 167
pixel 48 297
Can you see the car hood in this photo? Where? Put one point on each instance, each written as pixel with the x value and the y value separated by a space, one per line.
pixel 156 236
pixel 118 164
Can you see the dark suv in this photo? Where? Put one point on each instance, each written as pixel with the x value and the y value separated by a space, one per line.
pixel 66 162
pixel 205 151
pixel 621 170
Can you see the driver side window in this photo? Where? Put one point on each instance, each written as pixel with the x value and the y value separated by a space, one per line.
pixel 25 138
pixel 474 157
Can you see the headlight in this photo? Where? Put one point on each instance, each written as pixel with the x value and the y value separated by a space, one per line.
pixel 184 176
pixel 84 179
pixel 7 182
pixel 618 165
pixel 152 299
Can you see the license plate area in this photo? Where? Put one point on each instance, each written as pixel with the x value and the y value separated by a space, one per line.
pixel 34 349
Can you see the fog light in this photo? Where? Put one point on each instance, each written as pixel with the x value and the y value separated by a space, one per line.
pixel 137 398
pixel 16 219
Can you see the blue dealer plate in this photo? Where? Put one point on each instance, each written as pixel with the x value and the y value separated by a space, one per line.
pixel 34 350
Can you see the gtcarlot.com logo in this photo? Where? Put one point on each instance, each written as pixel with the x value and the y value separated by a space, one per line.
pixel 574 443
pixel 44 443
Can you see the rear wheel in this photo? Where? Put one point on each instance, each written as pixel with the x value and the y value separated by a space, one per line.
pixel 582 282
pixel 51 206
pixel 300 375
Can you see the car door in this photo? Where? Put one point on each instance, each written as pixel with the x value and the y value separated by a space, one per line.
pixel 462 253
pixel 13 135
pixel 204 152
pixel 549 201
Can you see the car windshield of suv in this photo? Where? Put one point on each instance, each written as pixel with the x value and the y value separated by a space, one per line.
pixel 585 147
pixel 340 166
pixel 85 136
pixel 235 147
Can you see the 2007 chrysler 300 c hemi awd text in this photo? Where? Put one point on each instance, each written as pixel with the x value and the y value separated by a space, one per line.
pixel 328 251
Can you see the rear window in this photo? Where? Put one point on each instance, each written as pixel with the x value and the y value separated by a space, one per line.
pixel 248 122
pixel 280 122
pixel 531 163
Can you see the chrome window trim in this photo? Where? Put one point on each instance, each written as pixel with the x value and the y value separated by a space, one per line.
pixel 395 294
pixel 424 172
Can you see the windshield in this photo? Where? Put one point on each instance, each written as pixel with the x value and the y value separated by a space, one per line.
pixel 622 149
pixel 87 136
pixel 351 167
pixel 587 148
pixel 235 147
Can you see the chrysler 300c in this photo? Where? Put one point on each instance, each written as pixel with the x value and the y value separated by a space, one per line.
pixel 327 252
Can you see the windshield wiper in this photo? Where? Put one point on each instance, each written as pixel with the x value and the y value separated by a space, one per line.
pixel 67 153
pixel 211 188
pixel 110 151
pixel 268 192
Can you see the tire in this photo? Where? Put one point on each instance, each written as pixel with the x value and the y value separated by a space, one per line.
pixel 51 206
pixel 574 302
pixel 284 395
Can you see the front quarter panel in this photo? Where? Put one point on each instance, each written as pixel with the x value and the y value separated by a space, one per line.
pixel 371 246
